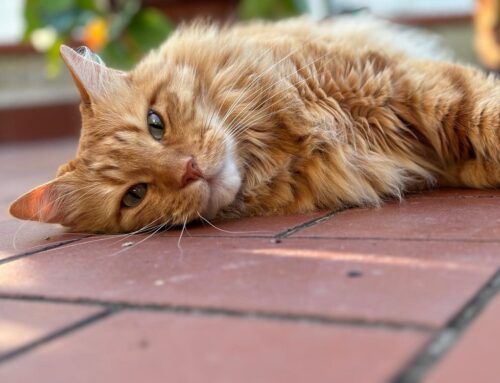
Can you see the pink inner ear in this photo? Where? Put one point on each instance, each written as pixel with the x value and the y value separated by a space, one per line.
pixel 37 205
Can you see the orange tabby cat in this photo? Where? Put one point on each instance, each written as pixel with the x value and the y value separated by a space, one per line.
pixel 268 118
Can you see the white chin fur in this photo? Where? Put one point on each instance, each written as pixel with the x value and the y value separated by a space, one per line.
pixel 223 186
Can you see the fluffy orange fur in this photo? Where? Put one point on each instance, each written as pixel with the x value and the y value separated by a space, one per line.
pixel 285 117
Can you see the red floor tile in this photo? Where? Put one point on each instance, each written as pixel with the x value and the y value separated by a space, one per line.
pixel 456 193
pixel 476 356
pixel 24 322
pixel 247 227
pixel 18 237
pixel 417 282
pixel 418 217
pixel 154 347
pixel 381 267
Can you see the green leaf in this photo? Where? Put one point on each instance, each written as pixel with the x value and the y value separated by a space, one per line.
pixel 121 20
pixel 88 5
pixel 117 55
pixel 32 17
pixel 54 6
pixel 148 29
pixel 53 59
pixel 132 30
pixel 63 22
pixel 60 14
pixel 268 9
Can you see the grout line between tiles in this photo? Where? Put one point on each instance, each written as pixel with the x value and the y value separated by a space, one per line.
pixel 286 233
pixel 57 334
pixel 232 313
pixel 282 234
pixel 424 194
pixel 276 238
pixel 449 335
pixel 402 239
pixel 40 250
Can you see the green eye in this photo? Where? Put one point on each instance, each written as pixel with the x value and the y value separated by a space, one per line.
pixel 155 125
pixel 134 195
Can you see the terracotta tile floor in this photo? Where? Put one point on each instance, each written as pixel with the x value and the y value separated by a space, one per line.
pixel 405 293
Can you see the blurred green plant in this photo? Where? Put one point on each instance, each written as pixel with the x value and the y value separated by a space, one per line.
pixel 271 9
pixel 119 30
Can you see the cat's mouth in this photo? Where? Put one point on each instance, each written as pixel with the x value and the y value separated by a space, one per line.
pixel 222 187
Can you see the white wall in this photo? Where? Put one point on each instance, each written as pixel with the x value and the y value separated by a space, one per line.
pixel 11 21
pixel 393 8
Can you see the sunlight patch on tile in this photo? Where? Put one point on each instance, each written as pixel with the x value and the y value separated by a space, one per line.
pixel 367 258
pixel 13 333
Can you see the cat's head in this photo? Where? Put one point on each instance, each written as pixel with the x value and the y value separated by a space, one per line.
pixel 152 151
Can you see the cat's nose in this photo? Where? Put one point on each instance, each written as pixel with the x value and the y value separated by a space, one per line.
pixel 192 172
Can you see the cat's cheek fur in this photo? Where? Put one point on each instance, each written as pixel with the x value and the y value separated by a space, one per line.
pixel 223 187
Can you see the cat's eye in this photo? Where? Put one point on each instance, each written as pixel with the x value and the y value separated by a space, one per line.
pixel 155 125
pixel 134 195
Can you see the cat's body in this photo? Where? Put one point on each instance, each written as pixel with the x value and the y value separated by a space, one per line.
pixel 276 118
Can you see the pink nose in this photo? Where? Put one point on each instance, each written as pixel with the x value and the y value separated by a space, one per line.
pixel 192 172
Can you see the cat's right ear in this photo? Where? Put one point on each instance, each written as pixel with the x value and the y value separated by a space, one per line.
pixel 92 78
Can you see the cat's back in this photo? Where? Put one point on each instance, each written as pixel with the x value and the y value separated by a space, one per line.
pixel 212 47
pixel 356 33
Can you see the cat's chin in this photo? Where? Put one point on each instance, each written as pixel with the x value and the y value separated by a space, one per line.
pixel 223 187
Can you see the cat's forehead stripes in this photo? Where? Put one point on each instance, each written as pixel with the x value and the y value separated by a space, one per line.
pixel 154 93
pixel 126 136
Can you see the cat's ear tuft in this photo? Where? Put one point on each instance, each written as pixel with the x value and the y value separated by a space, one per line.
pixel 40 204
pixel 91 76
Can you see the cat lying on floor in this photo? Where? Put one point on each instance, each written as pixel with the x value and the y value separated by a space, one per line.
pixel 268 118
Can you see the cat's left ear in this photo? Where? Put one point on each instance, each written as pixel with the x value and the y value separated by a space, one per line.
pixel 43 204
pixel 91 76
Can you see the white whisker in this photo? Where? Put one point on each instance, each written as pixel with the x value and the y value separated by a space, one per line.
pixel 235 103
pixel 230 231
pixel 180 237
pixel 235 82
pixel 232 126
pixel 141 241
pixel 145 228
